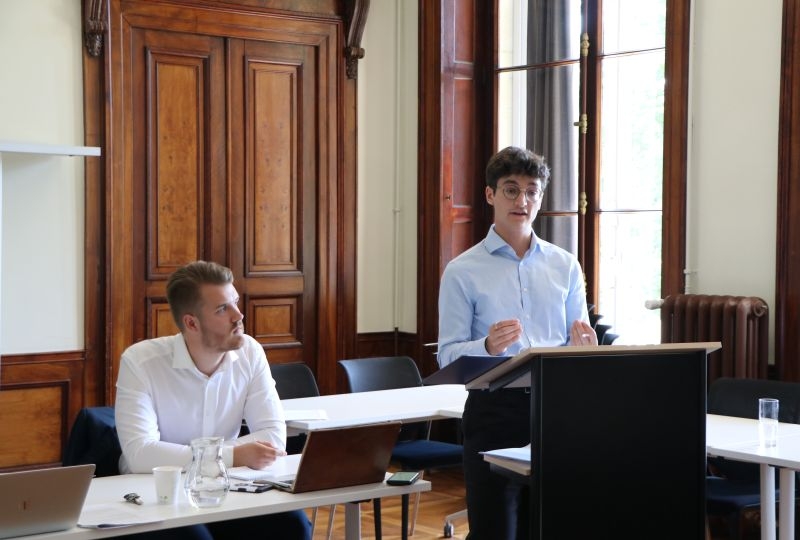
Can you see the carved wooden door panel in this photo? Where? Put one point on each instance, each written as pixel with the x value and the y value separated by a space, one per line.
pixel 226 153
pixel 274 188
pixel 178 166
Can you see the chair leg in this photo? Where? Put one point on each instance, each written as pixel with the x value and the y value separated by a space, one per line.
pixel 330 521
pixel 313 520
pixel 376 511
pixel 416 512
pixel 450 528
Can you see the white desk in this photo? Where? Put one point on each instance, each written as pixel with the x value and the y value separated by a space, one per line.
pixel 414 404
pixel 737 438
pixel 110 489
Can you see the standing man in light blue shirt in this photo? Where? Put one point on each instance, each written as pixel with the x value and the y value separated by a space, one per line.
pixel 509 292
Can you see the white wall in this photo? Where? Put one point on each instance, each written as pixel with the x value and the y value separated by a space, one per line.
pixel 732 186
pixel 41 101
pixel 732 166
pixel 387 169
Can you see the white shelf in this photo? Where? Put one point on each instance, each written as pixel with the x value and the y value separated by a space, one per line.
pixel 7 147
pixel 52 149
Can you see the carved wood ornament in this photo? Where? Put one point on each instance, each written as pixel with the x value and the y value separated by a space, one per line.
pixel 355 20
pixel 95 26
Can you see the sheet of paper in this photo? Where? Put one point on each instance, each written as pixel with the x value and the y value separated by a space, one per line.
pixel 517 454
pixel 283 469
pixel 305 414
pixel 110 516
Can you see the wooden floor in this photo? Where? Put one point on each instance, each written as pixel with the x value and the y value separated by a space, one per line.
pixel 446 497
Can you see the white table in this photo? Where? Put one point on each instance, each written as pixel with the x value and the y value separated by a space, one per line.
pixel 110 489
pixel 737 439
pixel 413 404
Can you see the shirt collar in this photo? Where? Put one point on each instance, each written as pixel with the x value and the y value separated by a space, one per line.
pixel 494 242
pixel 181 359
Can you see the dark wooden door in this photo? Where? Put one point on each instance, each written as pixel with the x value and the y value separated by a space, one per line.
pixel 225 148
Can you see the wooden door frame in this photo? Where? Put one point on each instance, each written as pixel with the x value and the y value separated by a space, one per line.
pixel 336 287
pixel 787 252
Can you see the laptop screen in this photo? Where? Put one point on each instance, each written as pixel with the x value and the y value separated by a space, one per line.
pixel 42 500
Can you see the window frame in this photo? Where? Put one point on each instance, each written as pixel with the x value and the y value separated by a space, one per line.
pixel 676 73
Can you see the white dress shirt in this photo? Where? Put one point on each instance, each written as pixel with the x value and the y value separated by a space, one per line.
pixel 163 402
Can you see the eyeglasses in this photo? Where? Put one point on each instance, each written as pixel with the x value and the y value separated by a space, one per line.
pixel 512 193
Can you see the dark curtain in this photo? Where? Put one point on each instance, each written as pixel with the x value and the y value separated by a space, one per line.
pixel 550 115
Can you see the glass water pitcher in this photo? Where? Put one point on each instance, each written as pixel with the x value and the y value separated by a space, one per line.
pixel 207 481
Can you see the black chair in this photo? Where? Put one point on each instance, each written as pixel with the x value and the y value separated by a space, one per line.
pixel 294 380
pixel 733 486
pixel 93 439
pixel 414 449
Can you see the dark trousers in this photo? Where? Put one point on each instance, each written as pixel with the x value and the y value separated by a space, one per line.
pixel 284 526
pixel 498 508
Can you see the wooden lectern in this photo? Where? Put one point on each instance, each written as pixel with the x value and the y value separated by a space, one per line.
pixel 617 438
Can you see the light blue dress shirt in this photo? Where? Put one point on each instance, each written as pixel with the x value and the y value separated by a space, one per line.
pixel 489 283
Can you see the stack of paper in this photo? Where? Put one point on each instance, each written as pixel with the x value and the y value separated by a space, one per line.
pixel 282 470
pixel 517 460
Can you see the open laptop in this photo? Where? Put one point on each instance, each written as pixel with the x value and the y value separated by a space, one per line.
pixel 42 500
pixel 344 456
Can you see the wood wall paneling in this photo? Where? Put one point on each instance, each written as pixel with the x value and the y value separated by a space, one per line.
pixel 27 437
pixel 40 396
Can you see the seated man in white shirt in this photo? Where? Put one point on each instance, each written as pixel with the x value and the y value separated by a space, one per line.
pixel 202 383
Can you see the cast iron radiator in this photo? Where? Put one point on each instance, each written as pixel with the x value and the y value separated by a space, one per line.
pixel 740 323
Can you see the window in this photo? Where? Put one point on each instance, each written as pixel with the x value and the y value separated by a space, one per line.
pixel 583 84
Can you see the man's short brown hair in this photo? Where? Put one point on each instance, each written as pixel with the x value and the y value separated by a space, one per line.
pixel 516 161
pixel 183 286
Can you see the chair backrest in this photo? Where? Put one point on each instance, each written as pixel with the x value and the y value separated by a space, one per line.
pixel 381 373
pixel 294 380
pixel 739 397
pixel 93 439
pixel 386 373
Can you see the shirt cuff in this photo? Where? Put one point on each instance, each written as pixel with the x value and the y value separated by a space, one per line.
pixel 227 455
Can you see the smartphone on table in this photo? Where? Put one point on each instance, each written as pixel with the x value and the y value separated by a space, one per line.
pixel 256 486
pixel 403 478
